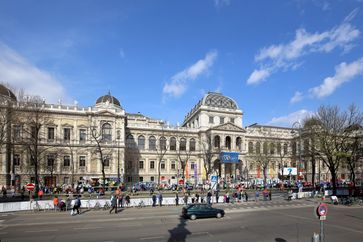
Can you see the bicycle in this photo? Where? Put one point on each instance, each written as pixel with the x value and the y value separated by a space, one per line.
pixel 97 206
pixel 107 206
pixel 141 204
pixel 35 206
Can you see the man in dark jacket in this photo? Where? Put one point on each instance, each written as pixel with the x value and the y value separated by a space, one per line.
pixel 113 204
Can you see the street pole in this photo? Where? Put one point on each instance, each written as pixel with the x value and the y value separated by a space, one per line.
pixel 298 124
pixel 118 163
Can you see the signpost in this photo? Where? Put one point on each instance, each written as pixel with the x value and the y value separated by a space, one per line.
pixel 322 212
pixel 30 187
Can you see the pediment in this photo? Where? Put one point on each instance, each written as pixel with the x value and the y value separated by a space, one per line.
pixel 228 127
pixel 106 113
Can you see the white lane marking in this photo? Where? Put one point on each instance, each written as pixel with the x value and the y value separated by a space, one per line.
pixel 152 238
pixel 40 231
pixel 88 228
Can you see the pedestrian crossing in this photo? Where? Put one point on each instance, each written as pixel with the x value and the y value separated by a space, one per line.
pixel 264 205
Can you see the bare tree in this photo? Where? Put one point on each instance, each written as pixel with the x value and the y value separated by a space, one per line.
pixel 33 118
pixel 208 155
pixel 263 159
pixel 183 155
pixel 160 148
pixel 333 132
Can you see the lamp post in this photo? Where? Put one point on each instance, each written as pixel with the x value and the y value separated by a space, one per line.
pixel 298 125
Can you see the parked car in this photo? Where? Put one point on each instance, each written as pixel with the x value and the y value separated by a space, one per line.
pixel 201 210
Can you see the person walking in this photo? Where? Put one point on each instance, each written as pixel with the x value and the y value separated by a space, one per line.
pixel 153 198
pixel 76 206
pixel 209 197
pixel 176 199
pixel 257 195
pixel 113 204
pixel 56 203
pixel 270 195
pixel 160 198
pixel 217 196
pixel 246 196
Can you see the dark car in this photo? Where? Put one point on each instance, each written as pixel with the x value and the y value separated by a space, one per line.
pixel 195 211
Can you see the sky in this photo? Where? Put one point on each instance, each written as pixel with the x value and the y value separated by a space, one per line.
pixel 279 60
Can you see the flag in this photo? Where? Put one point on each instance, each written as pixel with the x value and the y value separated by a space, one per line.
pixel 186 170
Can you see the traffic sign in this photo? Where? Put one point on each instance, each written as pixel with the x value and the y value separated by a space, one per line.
pixel 214 178
pixel 30 186
pixel 322 210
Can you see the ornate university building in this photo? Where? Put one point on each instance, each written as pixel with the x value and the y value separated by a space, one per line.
pixel 72 141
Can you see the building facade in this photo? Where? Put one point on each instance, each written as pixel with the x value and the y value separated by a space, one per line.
pixel 68 144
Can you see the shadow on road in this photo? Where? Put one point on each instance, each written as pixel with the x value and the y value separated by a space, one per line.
pixel 280 240
pixel 179 233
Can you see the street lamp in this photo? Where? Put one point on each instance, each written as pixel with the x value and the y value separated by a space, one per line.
pixel 298 125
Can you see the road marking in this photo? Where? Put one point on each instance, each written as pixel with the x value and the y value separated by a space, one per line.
pixel 40 231
pixel 152 238
pixel 202 233
pixel 80 228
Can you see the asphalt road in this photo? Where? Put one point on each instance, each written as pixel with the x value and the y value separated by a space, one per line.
pixel 276 220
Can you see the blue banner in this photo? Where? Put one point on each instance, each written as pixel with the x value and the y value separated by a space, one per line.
pixel 229 157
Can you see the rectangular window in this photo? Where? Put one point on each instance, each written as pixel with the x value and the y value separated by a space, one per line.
pixel 33 132
pixel 162 165
pixel 173 165
pixel 50 133
pixel 106 162
pixel 211 120
pixel 82 135
pixel 66 160
pixel 129 179
pixel 16 160
pixel 66 180
pixel 50 160
pixel 141 179
pixel 152 178
pixel 66 134
pixel 141 165
pixel 152 164
pixel 222 120
pixel 232 120
pixel 192 166
pixel 82 161
pixel 17 132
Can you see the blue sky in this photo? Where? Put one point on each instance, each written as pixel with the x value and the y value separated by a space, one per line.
pixel 279 60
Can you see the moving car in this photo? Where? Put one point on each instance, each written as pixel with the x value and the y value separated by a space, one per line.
pixel 201 210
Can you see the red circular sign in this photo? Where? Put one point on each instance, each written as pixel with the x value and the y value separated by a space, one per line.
pixel 30 186
pixel 322 209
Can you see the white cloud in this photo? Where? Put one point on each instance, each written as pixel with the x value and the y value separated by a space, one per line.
pixel 285 56
pixel 289 119
pixel 21 74
pixel 179 81
pixel 221 3
pixel 298 96
pixel 343 73
pixel 258 76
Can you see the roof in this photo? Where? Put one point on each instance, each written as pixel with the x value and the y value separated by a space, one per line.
pixel 5 92
pixel 108 98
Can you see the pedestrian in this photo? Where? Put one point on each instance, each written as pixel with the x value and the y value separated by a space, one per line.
pixel 209 197
pixel 77 205
pixel 121 201
pixel 246 196
pixel 176 199
pixel 56 202
pixel 197 198
pixel 113 204
pixel 185 198
pixel 270 195
pixel 153 198
pixel 4 192
pixel 217 196
pixel 127 199
pixel 40 194
pixel 257 195
pixel 160 198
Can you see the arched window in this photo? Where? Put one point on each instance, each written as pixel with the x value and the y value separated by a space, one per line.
pixel 130 142
pixel 250 147
pixel 162 143
pixel 258 148
pixel 306 146
pixel 106 132
pixel 279 148
pixel 293 146
pixel 192 145
pixel 239 143
pixel 265 148
pixel 172 143
pixel 217 141
pixel 272 148
pixel 183 144
pixel 285 149
pixel 152 143
pixel 228 142
pixel 141 142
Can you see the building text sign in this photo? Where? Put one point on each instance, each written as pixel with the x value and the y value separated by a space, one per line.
pixel 229 157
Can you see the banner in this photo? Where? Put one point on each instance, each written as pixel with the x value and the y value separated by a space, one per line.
pixel 290 171
pixel 186 171
pixel 229 157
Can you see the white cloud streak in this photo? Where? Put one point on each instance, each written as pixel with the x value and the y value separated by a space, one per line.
pixel 284 56
pixel 21 74
pixel 343 73
pixel 179 82
pixel 298 96
pixel 289 119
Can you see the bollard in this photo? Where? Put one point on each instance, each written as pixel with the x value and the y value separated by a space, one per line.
pixel 315 238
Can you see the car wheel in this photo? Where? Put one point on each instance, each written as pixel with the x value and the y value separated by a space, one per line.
pixel 219 215
pixel 193 217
